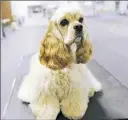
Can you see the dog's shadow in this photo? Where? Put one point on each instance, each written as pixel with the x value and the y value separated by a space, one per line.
pixel 94 111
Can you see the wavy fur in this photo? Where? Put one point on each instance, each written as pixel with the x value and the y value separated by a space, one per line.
pixel 58 79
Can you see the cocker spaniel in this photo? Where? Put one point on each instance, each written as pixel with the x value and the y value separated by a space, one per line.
pixel 58 79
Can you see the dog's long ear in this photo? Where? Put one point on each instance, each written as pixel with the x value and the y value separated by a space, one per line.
pixel 84 50
pixel 54 54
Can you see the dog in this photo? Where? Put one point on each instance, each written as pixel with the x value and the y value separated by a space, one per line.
pixel 58 78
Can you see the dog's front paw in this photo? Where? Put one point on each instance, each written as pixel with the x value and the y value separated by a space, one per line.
pixel 92 92
pixel 97 86
pixel 74 108
pixel 45 111
pixel 45 107
pixel 23 97
pixel 74 112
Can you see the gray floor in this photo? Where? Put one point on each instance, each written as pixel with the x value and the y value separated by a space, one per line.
pixel 109 36
pixel 20 43
pixel 110 40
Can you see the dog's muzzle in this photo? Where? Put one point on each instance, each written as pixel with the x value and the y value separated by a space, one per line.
pixel 78 33
pixel 78 28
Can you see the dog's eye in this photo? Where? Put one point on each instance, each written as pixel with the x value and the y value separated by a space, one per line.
pixel 81 20
pixel 64 22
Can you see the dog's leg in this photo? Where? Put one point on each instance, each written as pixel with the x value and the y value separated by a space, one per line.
pixel 46 108
pixel 28 90
pixel 33 81
pixel 75 105
pixel 91 83
pixel 95 84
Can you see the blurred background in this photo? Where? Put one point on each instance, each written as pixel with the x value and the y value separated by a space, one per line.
pixel 23 24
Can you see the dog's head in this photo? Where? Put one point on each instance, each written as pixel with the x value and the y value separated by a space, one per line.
pixel 70 23
pixel 65 27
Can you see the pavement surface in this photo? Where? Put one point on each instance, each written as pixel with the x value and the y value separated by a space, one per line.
pixel 109 37
pixel 17 44
pixel 110 41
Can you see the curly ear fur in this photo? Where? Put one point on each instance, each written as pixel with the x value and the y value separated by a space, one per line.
pixel 84 51
pixel 54 54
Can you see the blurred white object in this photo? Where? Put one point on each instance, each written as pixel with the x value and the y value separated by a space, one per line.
pixel 14 26
pixel 88 3
pixel 89 8
pixel 123 7
pixel 4 21
pixel 50 10
pixel 2 36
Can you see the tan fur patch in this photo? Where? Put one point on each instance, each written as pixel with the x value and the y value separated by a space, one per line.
pixel 53 52
pixel 84 52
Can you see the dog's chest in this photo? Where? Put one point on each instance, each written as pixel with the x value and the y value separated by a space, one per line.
pixel 63 81
pixel 60 83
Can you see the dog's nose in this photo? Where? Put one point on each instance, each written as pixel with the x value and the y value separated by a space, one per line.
pixel 78 28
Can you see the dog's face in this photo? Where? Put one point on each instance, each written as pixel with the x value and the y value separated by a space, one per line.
pixel 70 24
pixel 65 27
pixel 71 27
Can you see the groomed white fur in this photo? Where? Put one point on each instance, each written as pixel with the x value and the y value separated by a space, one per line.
pixel 75 88
pixel 50 91
pixel 64 8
